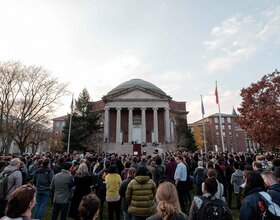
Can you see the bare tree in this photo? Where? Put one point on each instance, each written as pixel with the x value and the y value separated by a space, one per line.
pixel 29 100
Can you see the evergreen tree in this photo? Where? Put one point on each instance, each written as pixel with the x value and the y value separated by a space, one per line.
pixel 185 137
pixel 85 125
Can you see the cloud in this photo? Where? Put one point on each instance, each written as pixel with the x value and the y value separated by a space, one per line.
pixel 270 27
pixel 221 63
pixel 241 36
pixel 212 44
pixel 229 27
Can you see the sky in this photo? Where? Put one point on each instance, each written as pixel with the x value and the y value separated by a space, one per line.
pixel 181 46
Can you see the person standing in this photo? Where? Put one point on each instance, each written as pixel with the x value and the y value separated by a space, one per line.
pixel 14 181
pixel 272 185
pixel 198 178
pixel 42 180
pixel 21 202
pixel 140 195
pixel 82 183
pixel 61 187
pixel 208 206
pixel 113 183
pixel 122 191
pixel 170 168
pixel 250 207
pixel 180 178
pixel 237 180
pixel 168 203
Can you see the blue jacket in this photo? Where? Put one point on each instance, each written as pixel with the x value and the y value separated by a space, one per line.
pixel 249 208
pixel 274 192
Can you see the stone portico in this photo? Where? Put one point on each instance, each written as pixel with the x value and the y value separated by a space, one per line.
pixel 137 111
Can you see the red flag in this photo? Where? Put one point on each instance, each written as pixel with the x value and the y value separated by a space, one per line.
pixel 216 94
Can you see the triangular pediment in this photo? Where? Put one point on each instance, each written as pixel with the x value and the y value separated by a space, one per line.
pixel 137 93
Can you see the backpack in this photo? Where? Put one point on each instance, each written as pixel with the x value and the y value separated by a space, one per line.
pixel 269 209
pixel 214 209
pixel 4 184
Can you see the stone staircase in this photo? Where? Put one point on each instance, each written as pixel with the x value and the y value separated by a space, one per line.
pixel 127 148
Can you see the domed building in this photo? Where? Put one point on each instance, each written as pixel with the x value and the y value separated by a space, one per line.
pixel 137 111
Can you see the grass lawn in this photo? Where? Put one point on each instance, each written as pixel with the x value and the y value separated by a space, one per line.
pixel 48 211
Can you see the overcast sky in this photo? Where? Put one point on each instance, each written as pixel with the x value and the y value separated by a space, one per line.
pixel 181 46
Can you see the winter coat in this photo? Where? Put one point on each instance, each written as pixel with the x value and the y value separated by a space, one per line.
pixel 170 169
pixel 274 192
pixel 61 187
pixel 140 196
pixel 122 192
pixel 249 208
pixel 113 183
pixel 14 179
pixel 42 179
pixel 82 187
pixel 237 180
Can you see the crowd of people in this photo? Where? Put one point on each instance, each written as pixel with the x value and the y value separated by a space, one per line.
pixel 166 186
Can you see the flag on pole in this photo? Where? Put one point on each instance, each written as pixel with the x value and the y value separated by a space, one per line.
pixel 202 107
pixel 216 94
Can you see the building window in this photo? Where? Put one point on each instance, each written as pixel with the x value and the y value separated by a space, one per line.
pixel 230 133
pixel 223 120
pixel 216 120
pixel 224 134
pixel 217 133
pixel 216 127
pixel 223 127
pixel 228 120
pixel 229 127
pixel 136 120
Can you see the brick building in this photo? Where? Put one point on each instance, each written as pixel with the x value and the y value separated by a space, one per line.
pixel 235 138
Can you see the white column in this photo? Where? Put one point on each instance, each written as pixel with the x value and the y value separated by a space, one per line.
pixel 106 125
pixel 167 125
pixel 155 125
pixel 143 122
pixel 130 116
pixel 118 125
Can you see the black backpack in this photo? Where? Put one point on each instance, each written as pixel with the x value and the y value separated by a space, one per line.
pixel 213 209
pixel 4 190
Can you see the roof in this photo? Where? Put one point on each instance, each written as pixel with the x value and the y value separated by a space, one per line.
pixel 136 83
pixel 61 118
pixel 222 115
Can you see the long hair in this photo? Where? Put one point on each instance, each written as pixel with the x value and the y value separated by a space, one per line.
pixel 167 199
pixel 83 170
pixel 253 180
pixel 20 200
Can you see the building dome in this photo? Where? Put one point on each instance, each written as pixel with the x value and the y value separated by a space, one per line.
pixel 136 83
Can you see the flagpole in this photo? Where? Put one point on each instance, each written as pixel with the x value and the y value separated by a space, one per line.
pixel 70 124
pixel 203 124
pixel 220 118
